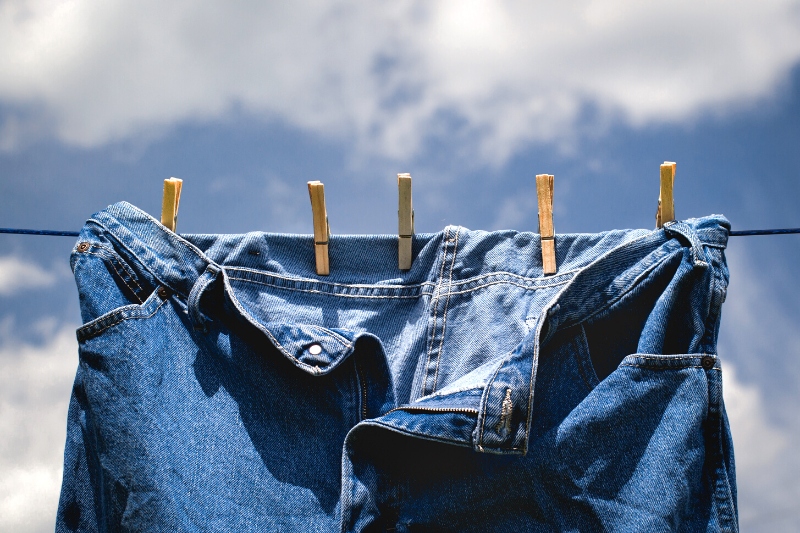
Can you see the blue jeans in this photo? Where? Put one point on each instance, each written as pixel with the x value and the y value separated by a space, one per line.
pixel 223 386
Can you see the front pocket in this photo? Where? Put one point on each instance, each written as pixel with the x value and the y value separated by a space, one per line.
pixel 145 310
pixel 648 438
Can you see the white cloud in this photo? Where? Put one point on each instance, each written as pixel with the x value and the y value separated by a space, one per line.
pixel 759 343
pixel 757 441
pixel 494 75
pixel 766 469
pixel 17 275
pixel 35 384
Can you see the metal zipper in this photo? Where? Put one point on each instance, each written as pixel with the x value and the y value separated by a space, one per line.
pixel 420 409
pixel 363 384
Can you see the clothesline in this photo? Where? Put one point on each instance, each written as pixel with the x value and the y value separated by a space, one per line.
pixel 57 233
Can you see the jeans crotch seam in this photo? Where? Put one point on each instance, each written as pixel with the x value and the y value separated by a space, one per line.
pixel 437 291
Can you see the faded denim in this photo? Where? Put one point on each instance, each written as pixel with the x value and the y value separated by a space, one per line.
pixel 223 386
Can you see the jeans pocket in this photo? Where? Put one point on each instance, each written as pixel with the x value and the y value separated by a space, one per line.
pixel 119 315
pixel 654 417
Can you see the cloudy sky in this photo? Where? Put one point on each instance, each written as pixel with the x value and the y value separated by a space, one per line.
pixel 247 101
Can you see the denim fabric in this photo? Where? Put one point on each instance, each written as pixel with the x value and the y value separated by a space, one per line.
pixel 223 386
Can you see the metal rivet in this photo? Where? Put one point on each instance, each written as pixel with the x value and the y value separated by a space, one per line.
pixel 163 293
pixel 707 362
pixel 315 349
pixel 82 247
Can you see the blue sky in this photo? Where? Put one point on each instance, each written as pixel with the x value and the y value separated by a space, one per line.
pixel 100 102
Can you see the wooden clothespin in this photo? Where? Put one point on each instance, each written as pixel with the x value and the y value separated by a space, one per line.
pixel 544 192
pixel 405 217
pixel 666 200
pixel 322 229
pixel 170 202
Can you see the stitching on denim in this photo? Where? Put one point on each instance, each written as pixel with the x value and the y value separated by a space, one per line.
pixel 437 292
pixel 639 278
pixel 267 332
pixel 152 269
pixel 118 311
pixel 506 410
pixel 345 342
pixel 89 334
pixel 424 293
pixel 724 500
pixel 444 313
pixel 440 394
pixel 672 357
pixel 115 257
pixel 526 287
pixel 534 283
pixel 329 283
pixel 585 365
pixel 313 291
pixel 170 235
pixel 424 436
pixel 121 276
pixel 489 384
pixel 665 367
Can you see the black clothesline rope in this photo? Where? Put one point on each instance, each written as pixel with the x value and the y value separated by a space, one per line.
pixel 56 233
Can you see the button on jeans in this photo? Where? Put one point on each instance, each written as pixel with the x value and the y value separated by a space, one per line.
pixel 223 386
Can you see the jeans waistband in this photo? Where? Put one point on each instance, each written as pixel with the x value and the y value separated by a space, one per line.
pixel 368 262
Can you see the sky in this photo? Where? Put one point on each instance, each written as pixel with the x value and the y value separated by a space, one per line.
pixel 247 101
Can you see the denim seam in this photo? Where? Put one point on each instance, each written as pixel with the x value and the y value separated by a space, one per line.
pixel 534 283
pixel 437 292
pixel 145 264
pixel 118 262
pixel 673 356
pixel 721 481
pixel 262 273
pixel 526 287
pixel 86 335
pixel 269 334
pixel 343 340
pixel 485 399
pixel 585 366
pixel 541 279
pixel 312 291
pixel 681 367
pixel 631 286
pixel 444 313
pixel 440 394
pixel 320 282
pixel 423 436
pixel 158 226
pixel 419 295
pixel 113 263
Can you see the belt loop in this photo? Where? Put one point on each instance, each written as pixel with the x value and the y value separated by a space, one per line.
pixel 200 286
pixel 675 227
